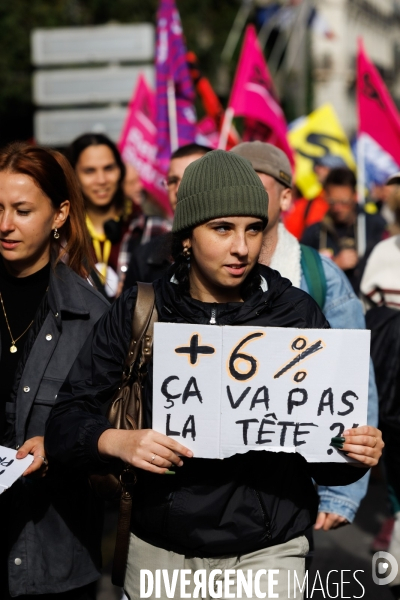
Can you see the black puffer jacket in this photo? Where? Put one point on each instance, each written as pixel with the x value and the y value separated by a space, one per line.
pixel 210 507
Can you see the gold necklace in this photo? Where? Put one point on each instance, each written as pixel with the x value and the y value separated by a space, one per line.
pixel 13 348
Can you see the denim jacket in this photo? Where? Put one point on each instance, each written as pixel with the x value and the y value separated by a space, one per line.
pixel 343 310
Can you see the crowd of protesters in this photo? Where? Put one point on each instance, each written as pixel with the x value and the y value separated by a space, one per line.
pixel 75 237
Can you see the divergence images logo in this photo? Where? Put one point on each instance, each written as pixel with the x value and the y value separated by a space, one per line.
pixel 384 568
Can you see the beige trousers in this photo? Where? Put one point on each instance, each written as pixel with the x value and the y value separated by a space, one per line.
pixel 268 573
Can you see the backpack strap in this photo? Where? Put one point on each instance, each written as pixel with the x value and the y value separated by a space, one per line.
pixel 314 274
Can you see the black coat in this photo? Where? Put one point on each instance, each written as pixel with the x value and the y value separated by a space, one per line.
pixel 210 507
pixel 384 323
pixel 54 524
pixel 149 261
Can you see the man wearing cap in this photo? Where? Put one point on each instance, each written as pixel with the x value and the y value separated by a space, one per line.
pixel 281 251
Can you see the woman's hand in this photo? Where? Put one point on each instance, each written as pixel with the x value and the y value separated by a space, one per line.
pixel 364 443
pixel 34 446
pixel 145 448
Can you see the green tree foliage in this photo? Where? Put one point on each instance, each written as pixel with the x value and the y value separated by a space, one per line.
pixel 206 24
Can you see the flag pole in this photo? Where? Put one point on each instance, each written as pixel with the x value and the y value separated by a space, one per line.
pixel 267 28
pixel 237 28
pixel 225 129
pixel 283 42
pixel 361 222
pixel 172 118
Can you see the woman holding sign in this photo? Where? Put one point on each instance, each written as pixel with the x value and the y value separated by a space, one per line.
pixel 50 527
pixel 250 511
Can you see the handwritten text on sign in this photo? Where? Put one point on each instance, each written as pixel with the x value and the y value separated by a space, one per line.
pixel 11 468
pixel 227 390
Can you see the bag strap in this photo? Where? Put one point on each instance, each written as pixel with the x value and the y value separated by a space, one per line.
pixel 314 274
pixel 123 530
pixel 145 312
pixel 144 317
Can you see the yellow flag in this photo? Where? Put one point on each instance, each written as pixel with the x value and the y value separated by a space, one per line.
pixel 317 135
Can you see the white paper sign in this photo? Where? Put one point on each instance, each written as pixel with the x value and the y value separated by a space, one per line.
pixel 227 390
pixel 11 468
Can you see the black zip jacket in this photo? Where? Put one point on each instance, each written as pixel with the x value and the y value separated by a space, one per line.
pixel 210 507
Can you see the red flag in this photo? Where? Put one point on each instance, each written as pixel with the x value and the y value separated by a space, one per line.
pixel 208 129
pixel 377 114
pixel 253 93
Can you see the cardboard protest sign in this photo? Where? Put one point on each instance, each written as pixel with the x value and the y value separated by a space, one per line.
pixel 11 468
pixel 227 390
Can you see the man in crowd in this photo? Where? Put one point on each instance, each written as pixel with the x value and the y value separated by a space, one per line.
pixel 336 235
pixel 305 212
pixel 320 277
pixel 150 260
pixel 143 228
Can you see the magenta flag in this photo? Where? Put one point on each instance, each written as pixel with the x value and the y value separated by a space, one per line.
pixel 207 132
pixel 253 96
pixel 176 117
pixel 138 144
pixel 377 114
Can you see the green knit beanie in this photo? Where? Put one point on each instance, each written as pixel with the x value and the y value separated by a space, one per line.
pixel 220 184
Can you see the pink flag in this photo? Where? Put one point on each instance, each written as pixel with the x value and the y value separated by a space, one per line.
pixel 253 94
pixel 207 132
pixel 377 114
pixel 138 144
pixel 176 115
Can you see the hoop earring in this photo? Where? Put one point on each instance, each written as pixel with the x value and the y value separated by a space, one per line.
pixel 56 234
pixel 186 253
